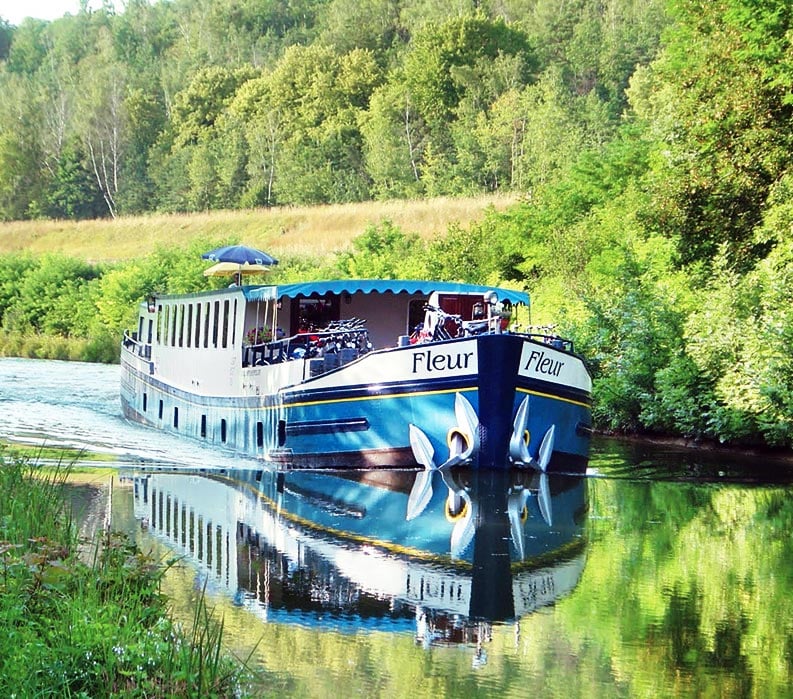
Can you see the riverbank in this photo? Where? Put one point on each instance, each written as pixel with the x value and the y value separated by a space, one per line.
pixel 780 456
pixel 96 625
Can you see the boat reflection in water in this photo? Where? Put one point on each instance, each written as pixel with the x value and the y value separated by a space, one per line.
pixel 439 553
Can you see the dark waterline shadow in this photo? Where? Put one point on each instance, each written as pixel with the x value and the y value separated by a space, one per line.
pixel 650 461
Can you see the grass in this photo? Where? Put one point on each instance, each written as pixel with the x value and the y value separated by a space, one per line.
pixel 73 628
pixel 315 230
pixel 44 455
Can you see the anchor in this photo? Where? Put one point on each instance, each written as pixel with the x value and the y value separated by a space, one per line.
pixel 519 442
pixel 463 443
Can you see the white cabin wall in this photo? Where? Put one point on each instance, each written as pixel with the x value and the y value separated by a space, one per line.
pixel 203 370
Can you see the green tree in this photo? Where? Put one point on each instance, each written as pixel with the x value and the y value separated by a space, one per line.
pixel 104 125
pixel 56 296
pixel 320 97
pixel 527 137
pixel 21 150
pixel 28 47
pixel 73 192
pixel 6 32
pixel 438 68
pixel 394 139
pixel 356 24
pixel 383 252
pixel 185 168
pixel 723 121
pixel 13 267
pixel 196 108
pixel 252 114
pixel 145 118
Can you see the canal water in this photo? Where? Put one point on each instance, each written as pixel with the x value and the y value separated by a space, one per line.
pixel 662 573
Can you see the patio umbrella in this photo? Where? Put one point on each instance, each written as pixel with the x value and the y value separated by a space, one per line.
pixel 221 269
pixel 241 255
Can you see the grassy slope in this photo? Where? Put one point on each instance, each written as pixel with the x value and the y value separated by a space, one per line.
pixel 317 230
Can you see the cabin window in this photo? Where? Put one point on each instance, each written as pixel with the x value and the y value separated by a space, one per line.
pixel 314 313
pixel 159 324
pixel 150 333
pixel 197 325
pixel 215 324
pixel 461 305
pixel 145 402
pixel 174 324
pixel 159 415
pixel 206 324
pixel 165 324
pixel 189 324
pixel 281 433
pixel 260 434
pixel 176 417
pixel 223 431
pixel 203 425
pixel 140 328
pixel 181 325
pixel 234 325
pixel 225 334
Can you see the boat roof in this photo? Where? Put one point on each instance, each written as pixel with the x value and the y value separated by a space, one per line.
pixel 380 286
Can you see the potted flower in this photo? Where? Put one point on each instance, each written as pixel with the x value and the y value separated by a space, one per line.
pixel 257 336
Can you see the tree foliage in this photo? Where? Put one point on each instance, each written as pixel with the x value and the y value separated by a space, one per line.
pixel 386 98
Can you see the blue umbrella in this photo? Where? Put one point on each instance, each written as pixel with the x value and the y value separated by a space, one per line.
pixel 241 255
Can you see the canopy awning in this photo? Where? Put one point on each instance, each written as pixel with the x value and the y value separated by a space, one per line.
pixel 380 286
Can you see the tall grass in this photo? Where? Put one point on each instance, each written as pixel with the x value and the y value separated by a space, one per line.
pixel 315 230
pixel 101 628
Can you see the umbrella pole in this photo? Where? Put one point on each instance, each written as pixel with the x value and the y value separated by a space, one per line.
pixel 256 323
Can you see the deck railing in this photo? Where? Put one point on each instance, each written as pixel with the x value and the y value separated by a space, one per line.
pixel 131 343
pixel 344 340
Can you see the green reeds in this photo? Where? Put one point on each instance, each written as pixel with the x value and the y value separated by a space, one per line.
pixel 102 348
pixel 98 629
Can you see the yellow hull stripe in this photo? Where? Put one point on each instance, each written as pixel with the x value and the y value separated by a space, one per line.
pixel 383 397
pixel 429 393
pixel 552 397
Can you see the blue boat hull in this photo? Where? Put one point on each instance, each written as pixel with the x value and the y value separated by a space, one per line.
pixel 336 422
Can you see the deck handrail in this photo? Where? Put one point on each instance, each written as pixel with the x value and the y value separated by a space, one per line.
pixel 131 342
